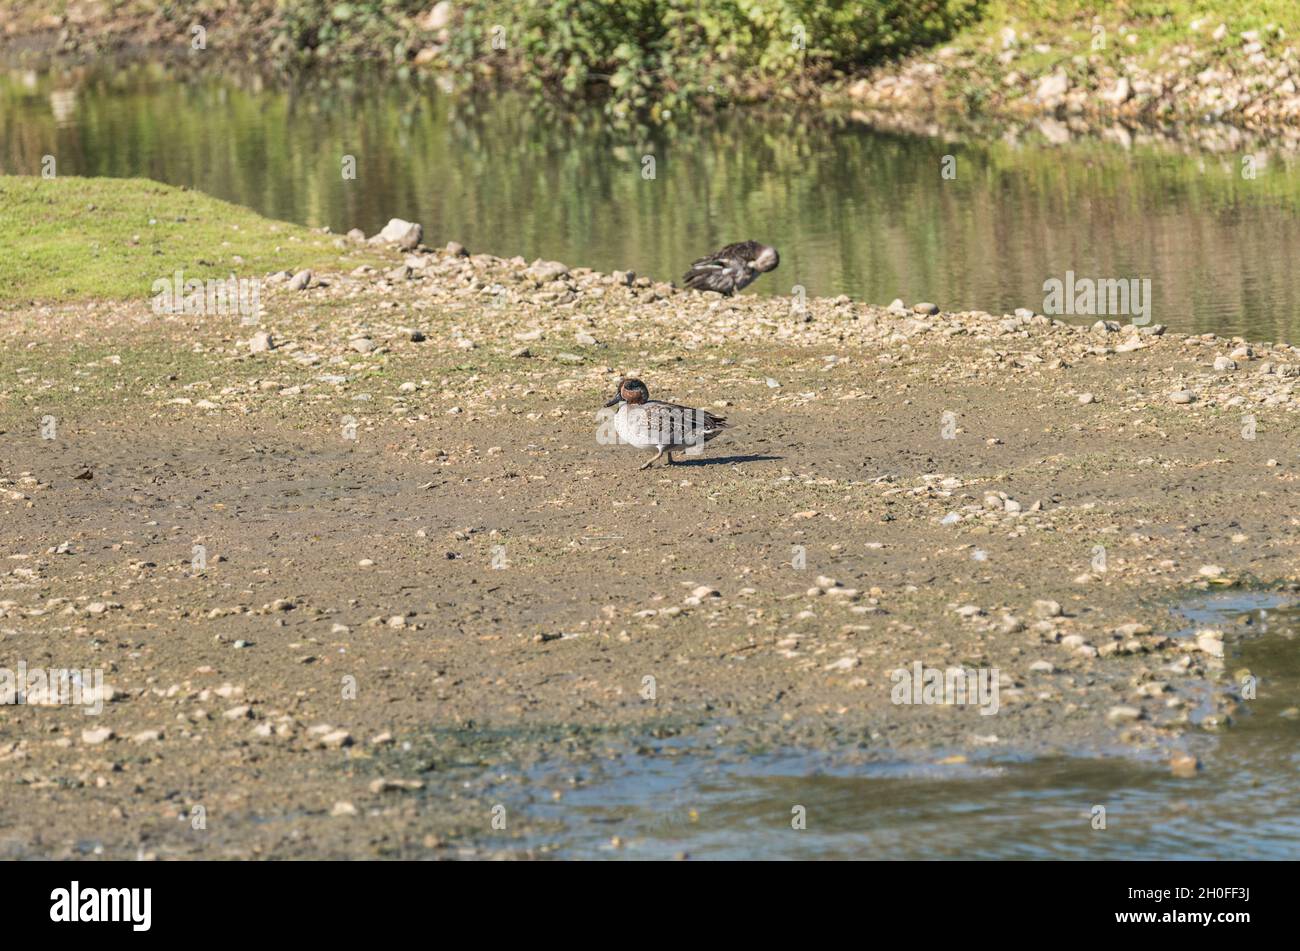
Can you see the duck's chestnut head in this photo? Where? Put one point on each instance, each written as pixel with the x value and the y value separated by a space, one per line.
pixel 630 391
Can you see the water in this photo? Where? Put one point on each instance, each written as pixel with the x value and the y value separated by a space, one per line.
pixel 1244 804
pixel 852 210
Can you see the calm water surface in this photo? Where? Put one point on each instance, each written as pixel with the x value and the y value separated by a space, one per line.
pixel 853 210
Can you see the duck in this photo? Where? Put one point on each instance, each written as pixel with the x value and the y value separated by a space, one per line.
pixel 653 424
pixel 733 268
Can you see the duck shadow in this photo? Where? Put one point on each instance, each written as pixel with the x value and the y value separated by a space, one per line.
pixel 724 460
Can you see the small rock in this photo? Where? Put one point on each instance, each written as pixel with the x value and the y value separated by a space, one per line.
pixel 1052 86
pixel 261 342
pixel 1210 642
pixel 96 737
pixel 405 234
pixel 543 272
pixel 1182 396
pixel 395 785
pixel 300 281
pixel 336 739
pixel 1123 714
pixel 1046 609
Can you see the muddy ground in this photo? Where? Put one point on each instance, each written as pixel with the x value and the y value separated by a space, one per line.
pixel 421 573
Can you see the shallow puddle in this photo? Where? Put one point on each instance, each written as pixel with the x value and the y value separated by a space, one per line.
pixel 1243 804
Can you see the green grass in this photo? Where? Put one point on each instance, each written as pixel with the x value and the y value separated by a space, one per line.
pixel 1156 25
pixel 68 238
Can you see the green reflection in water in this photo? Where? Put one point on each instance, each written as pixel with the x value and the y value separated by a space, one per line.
pixel 853 210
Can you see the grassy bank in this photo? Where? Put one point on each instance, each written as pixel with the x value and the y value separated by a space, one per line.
pixel 69 238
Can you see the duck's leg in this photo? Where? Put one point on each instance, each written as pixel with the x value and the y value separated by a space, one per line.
pixel 652 460
pixel 670 459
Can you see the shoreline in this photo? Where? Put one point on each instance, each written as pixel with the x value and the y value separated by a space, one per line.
pixel 401 483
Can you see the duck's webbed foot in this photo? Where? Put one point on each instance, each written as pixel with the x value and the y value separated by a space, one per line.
pixel 653 459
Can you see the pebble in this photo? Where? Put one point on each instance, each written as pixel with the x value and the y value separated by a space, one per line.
pixel 1182 396
pixel 405 234
pixel 1123 714
pixel 361 344
pixel 1046 609
pixel 98 736
pixel 261 342
pixel 378 786
pixel 543 272
pixel 1210 642
pixel 1086 398
pixel 1184 765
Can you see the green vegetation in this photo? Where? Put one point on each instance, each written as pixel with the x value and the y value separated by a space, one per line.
pixel 68 238
pixel 655 57
pixel 652 59
pixel 648 58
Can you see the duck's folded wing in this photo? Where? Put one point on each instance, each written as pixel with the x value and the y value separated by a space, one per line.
pixel 716 273
pixel 668 424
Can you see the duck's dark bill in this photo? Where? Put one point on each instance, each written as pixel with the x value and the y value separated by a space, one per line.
pixel 618 398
